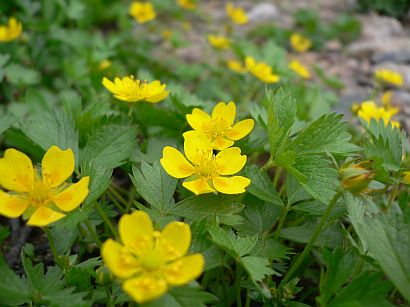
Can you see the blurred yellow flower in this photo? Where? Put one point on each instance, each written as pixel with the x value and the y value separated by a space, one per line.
pixel 142 11
pixel 11 31
pixel 237 14
pixel 148 262
pixel 130 90
pixel 187 4
pixel 205 171
pixel 355 108
pixel 236 66
pixel 261 70
pixel 219 128
pixel 300 43
pixel 219 41
pixel 388 76
pixel 368 110
pixel 41 199
pixel 167 34
pixel 104 64
pixel 300 69
pixel 406 177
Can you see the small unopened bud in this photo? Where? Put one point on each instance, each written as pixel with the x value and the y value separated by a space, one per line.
pixel 356 177
pixel 103 276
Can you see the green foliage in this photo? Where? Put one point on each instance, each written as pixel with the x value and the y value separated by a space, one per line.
pixel 395 8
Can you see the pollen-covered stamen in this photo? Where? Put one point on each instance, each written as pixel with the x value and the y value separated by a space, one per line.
pixel 216 128
pixel 205 166
pixel 41 193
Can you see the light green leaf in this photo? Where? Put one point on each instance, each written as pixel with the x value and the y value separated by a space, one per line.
pixel 13 290
pixel 20 75
pixel 259 217
pixel 256 267
pixel 100 179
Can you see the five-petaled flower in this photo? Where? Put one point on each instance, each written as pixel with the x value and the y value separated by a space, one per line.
pixel 219 41
pixel 300 43
pixel 237 14
pixel 42 198
pixel 261 70
pixel 219 127
pixel 300 69
pixel 187 4
pixel 142 11
pixel 369 110
pixel 388 76
pixel 11 31
pixel 206 172
pixel 131 90
pixel 148 261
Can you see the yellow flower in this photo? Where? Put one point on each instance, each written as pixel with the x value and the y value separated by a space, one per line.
pixel 11 31
pixel 205 171
pixel 147 261
pixel 299 42
pixel 236 66
pixel 42 198
pixel 219 129
pixel 300 69
pixel 104 64
pixel 369 110
pixel 130 90
pixel 388 76
pixel 142 11
pixel 237 14
pixel 261 70
pixel 219 41
pixel 355 108
pixel 187 4
pixel 406 177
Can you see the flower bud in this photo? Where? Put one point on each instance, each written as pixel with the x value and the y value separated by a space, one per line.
pixel 356 177
pixel 103 276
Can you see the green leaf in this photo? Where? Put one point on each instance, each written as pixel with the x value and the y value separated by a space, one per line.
pixel 13 290
pixel 326 134
pixel 54 128
pixel 110 145
pixel 154 185
pixel 100 179
pixel 387 238
pixel 234 245
pixel 256 267
pixel 271 249
pixel 261 185
pixel 208 205
pixel 20 75
pixel 5 123
pixel 186 296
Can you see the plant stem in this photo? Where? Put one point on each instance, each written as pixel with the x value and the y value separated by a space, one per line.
pixel 114 200
pixel 93 234
pixel 106 220
pixel 119 197
pixel 392 196
pixel 276 178
pixel 131 197
pixel 312 239
pixel 238 277
pixel 52 246
pixel 248 299
pixel 267 165
pixel 109 298
pixel 282 220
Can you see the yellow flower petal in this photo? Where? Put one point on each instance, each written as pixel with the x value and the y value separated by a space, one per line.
pixel 145 288
pixel 12 206
pixel 158 97
pixel 175 163
pixel 199 186
pixel 240 129
pixel 227 112
pixel 136 231
pixel 17 172
pixel 44 216
pixel 57 165
pixel 199 120
pixel 231 185
pixel 109 85
pixel 175 240
pixel 73 196
pixel 119 260
pixel 229 161
pixel 221 143
pixel 197 146
pixel 184 270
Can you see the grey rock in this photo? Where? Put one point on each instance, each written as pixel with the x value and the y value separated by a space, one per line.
pixel 263 12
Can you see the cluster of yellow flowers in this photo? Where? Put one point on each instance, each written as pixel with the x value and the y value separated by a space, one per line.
pixel 142 12
pixel 205 171
pixel 389 77
pixel 148 262
pixel 369 110
pixel 300 43
pixel 11 31
pixel 236 14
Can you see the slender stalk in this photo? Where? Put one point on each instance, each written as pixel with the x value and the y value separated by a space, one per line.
pixel 93 233
pixel 276 178
pixel 119 197
pixel 109 298
pixel 114 200
pixel 312 239
pixel 106 220
pixel 52 245
pixel 392 196
pixel 267 165
pixel 282 220
pixel 131 197
pixel 238 277
pixel 248 298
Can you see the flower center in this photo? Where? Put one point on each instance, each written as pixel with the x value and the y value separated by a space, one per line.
pixel 217 127
pixel 152 261
pixel 40 193
pixel 206 166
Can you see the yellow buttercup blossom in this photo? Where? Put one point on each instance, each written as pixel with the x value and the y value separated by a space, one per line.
pixel 130 90
pixel 219 127
pixel 261 70
pixel 388 76
pixel 11 31
pixel 300 69
pixel 206 171
pixel 368 110
pixel 236 66
pixel 406 177
pixel 237 14
pixel 149 262
pixel 300 43
pixel 142 11
pixel 187 4
pixel 104 64
pixel 41 195
pixel 219 41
